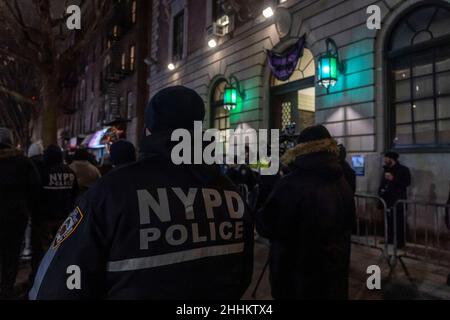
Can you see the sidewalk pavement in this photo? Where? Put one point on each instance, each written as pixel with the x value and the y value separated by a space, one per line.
pixel 428 281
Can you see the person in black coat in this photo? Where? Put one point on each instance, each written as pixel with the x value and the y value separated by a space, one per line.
pixel 19 188
pixel 393 187
pixel 309 218
pixel 154 229
pixel 57 200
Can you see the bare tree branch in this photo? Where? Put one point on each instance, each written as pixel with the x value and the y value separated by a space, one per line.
pixel 18 22
pixel 100 9
pixel 16 95
pixel 17 109
pixel 34 32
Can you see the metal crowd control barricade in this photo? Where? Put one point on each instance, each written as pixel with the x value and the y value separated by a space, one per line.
pixel 371 228
pixel 426 228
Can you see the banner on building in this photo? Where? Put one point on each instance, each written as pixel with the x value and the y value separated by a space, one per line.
pixel 283 64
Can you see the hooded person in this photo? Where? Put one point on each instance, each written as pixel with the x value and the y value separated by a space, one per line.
pixel 153 229
pixel 19 187
pixel 309 218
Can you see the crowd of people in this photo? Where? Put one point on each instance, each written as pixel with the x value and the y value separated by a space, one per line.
pixel 39 191
pixel 148 229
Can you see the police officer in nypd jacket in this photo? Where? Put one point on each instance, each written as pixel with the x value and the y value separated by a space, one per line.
pixel 152 229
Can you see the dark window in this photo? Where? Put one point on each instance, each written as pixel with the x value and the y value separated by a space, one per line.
pixel 132 57
pixel 178 36
pixel 419 74
pixel 122 107
pixel 218 11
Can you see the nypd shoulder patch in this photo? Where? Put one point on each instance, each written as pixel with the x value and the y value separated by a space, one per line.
pixel 68 227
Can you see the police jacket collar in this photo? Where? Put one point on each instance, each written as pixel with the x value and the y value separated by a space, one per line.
pixel 160 145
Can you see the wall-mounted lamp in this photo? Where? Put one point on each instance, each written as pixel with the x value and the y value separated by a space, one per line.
pixel 268 12
pixel 329 65
pixel 212 43
pixel 171 67
pixel 231 94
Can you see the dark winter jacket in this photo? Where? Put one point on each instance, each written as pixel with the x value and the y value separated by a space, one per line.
pixel 154 230
pixel 391 191
pixel 19 186
pixel 266 186
pixel 309 218
pixel 60 187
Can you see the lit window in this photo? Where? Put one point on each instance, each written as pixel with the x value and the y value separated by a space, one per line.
pixel 133 11
pixel 132 57
pixel 124 61
pixel 419 82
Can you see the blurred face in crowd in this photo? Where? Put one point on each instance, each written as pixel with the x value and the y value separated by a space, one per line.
pixel 389 162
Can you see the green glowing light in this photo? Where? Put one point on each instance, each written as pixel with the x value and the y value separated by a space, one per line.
pixel 230 98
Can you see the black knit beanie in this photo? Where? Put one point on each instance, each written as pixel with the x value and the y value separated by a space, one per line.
pixel 122 152
pixel 53 155
pixel 174 108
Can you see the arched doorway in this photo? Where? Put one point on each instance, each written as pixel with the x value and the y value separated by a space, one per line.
pixel 293 101
pixel 418 80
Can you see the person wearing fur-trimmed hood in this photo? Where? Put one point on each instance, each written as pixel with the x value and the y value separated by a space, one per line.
pixel 309 218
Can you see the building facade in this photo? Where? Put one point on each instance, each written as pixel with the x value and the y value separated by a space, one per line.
pixel 109 79
pixel 392 92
